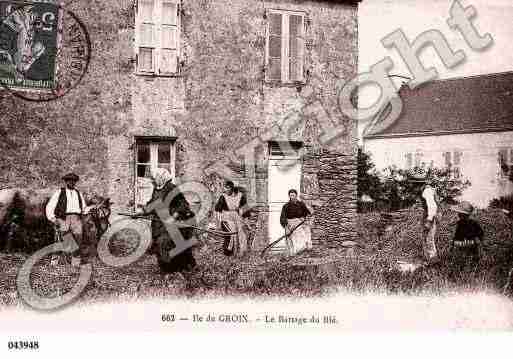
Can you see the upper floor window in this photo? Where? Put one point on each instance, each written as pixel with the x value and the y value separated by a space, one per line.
pixel 453 162
pixel 285 46
pixel 505 162
pixel 157 37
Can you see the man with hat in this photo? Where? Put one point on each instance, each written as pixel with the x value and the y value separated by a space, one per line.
pixel 466 244
pixel 65 209
pixel 429 200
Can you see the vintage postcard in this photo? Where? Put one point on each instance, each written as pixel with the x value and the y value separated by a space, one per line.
pixel 172 166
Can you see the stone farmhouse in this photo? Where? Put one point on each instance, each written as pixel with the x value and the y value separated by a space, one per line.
pixel 245 90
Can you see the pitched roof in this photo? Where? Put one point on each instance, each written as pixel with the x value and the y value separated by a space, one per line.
pixel 461 105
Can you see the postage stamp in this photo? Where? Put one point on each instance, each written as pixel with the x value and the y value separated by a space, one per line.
pixel 44 49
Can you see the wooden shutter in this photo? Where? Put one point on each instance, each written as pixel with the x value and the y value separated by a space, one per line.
pixel 168 37
pixel 274 46
pixel 145 36
pixel 296 47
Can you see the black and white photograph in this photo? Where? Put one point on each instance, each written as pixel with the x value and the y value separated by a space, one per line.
pixel 290 165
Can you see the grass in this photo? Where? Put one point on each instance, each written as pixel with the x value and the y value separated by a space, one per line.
pixel 368 268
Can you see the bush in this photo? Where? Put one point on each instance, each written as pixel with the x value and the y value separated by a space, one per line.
pixel 392 189
pixel 400 192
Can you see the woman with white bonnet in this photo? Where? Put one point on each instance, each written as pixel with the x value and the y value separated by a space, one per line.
pixel 180 210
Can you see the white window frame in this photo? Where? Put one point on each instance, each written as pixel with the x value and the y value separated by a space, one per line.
pixel 157 38
pixel 285 45
pixel 153 143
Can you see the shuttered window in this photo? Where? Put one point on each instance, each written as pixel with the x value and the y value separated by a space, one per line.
pixel 418 158
pixel 505 162
pixel 285 46
pixel 409 160
pixel 453 161
pixel 157 37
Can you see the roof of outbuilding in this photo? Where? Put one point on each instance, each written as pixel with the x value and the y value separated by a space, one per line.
pixel 461 105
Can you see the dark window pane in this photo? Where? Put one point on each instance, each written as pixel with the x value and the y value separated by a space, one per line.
pixel 294 47
pixel 295 23
pixel 164 153
pixel 275 69
pixel 143 153
pixel 278 148
pixel 143 171
pixel 275 46
pixel 294 74
pixel 275 24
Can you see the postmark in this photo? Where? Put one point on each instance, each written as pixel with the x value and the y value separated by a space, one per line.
pixel 45 49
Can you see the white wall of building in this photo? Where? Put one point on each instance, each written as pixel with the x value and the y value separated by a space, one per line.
pixel 479 162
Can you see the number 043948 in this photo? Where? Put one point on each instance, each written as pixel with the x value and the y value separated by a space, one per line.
pixel 22 345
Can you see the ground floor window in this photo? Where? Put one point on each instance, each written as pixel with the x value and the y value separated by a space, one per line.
pixel 151 153
pixel 505 162
pixel 453 161
pixel 414 159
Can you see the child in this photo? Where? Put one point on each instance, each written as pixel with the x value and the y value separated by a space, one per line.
pixel 466 245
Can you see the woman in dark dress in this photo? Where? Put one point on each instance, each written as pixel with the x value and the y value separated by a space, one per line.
pixel 178 209
pixel 293 220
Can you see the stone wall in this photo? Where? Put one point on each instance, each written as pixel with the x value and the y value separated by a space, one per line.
pixel 48 139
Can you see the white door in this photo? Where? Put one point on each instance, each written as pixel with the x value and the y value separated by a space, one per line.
pixel 284 174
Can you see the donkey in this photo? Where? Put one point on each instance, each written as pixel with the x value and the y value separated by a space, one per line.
pixel 23 222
